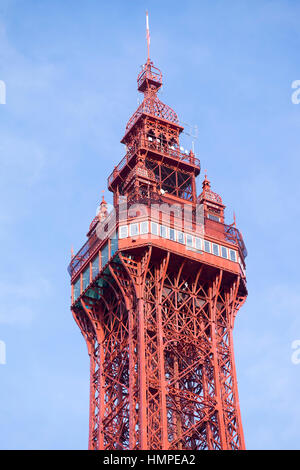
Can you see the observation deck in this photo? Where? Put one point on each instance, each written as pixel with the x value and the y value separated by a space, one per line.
pixel 211 242
pixel 157 151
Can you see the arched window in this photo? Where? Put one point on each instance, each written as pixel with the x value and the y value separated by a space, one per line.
pixel 151 136
pixel 162 141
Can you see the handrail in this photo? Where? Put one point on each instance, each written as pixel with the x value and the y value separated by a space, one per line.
pixel 151 73
pixel 89 248
pixel 231 234
pixel 164 149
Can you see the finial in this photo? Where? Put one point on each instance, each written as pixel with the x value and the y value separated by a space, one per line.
pixel 103 200
pixel 72 252
pixel 148 36
pixel 206 182
pixel 234 219
pixel 103 212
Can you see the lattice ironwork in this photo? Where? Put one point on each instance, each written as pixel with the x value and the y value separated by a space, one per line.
pixel 159 333
pixel 153 106
pixel 158 317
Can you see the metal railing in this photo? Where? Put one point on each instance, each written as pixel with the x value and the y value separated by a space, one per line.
pixel 155 145
pixel 225 232
pixel 149 72
pixel 91 246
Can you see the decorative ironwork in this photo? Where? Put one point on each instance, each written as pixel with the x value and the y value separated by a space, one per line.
pixel 158 321
pixel 154 107
pixel 158 147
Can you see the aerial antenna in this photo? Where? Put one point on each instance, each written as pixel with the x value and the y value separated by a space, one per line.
pixel 148 36
pixel 192 133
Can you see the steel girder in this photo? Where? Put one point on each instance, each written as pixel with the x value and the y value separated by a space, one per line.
pixel 159 336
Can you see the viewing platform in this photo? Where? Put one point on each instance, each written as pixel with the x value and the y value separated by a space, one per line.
pixel 213 242
pixel 158 151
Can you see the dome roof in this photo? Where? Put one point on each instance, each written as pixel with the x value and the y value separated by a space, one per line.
pixel 153 106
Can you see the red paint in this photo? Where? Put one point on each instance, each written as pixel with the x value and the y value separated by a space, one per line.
pixel 158 321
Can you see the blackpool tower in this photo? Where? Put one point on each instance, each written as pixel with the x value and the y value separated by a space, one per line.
pixel 155 292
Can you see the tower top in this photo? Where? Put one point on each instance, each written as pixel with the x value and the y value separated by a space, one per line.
pixel 150 77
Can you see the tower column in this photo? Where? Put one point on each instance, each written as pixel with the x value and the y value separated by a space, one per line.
pixel 213 296
pixel 142 377
pixel 160 277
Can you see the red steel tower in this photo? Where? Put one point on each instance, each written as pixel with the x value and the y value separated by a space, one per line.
pixel 155 291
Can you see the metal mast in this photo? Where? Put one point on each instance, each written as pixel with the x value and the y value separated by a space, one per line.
pixel 155 291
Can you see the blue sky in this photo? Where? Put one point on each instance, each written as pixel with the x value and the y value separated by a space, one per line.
pixel 70 71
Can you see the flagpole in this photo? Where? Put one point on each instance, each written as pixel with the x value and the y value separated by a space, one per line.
pixel 148 36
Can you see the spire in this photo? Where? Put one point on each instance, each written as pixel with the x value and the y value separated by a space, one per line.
pixel 207 193
pixel 206 182
pixel 103 200
pixel 148 37
pixel 150 78
pixel 149 82
pixel 103 212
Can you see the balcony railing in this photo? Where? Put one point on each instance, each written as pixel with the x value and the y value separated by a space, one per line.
pixel 226 232
pixel 151 73
pixel 90 247
pixel 157 146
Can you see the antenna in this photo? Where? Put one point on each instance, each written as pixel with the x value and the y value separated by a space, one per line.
pixel 192 132
pixel 148 36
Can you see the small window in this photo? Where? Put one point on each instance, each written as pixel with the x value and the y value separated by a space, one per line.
pixel 86 278
pixel 113 246
pixel 133 230
pixel 172 234
pixel 180 237
pixel 189 240
pixel 76 289
pixel 123 231
pixel 144 227
pixel 95 266
pixel 151 135
pixel 215 249
pixel 232 254
pixel 224 252
pixel 163 231
pixel 154 228
pixel 198 244
pixel 104 254
pixel 207 246
pixel 214 217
